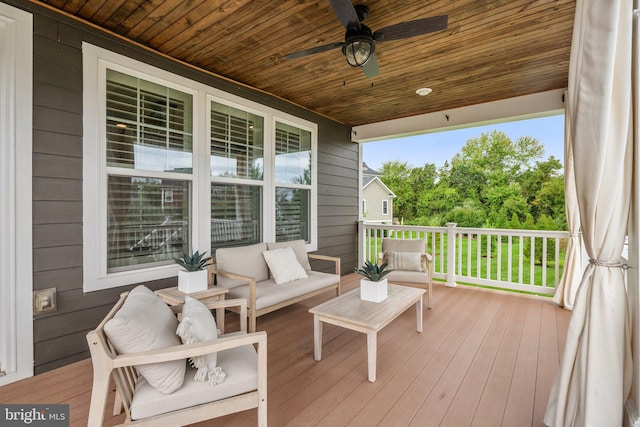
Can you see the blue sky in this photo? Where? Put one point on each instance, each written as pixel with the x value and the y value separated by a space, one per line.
pixel 438 147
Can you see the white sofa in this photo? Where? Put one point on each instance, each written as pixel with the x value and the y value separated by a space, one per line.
pixel 245 272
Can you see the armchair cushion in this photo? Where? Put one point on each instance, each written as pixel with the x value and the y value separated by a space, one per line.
pixel 198 325
pixel 283 265
pixel 408 261
pixel 146 323
pixel 404 245
pixel 245 260
pixel 240 365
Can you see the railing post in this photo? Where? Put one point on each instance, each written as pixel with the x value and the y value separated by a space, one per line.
pixel 362 239
pixel 451 254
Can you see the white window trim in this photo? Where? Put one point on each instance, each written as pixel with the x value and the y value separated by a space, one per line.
pixel 95 60
pixel 385 207
pixel 313 220
pixel 16 262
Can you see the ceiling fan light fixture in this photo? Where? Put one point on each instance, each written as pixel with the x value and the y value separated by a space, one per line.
pixel 358 46
pixel 358 52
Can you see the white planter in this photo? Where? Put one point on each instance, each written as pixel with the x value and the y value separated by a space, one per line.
pixel 373 291
pixel 192 281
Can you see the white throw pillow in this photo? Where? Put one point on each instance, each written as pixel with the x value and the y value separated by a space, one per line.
pixel 198 325
pixel 284 265
pixel 408 261
pixel 145 322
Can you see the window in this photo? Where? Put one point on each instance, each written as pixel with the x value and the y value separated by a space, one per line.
pixel 364 208
pixel 173 166
pixel 385 207
pixel 237 142
pixel 148 128
pixel 293 181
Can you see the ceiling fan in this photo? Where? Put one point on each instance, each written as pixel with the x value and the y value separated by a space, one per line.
pixel 360 43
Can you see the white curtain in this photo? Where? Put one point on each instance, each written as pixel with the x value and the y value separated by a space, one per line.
pixel 594 378
pixel 572 272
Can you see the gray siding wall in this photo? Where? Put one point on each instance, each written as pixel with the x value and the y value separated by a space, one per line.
pixel 59 338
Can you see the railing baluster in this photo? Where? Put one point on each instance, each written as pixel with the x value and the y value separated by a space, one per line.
pixel 488 276
pixel 532 261
pixel 510 258
pixel 556 275
pixel 499 259
pixel 459 253
pixel 469 252
pixel 520 259
pixel 544 262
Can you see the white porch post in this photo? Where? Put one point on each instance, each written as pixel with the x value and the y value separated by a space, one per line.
pixel 361 242
pixel 451 254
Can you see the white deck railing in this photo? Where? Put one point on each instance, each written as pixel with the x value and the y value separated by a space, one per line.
pixel 521 260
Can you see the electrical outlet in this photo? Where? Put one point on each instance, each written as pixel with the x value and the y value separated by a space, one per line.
pixel 44 301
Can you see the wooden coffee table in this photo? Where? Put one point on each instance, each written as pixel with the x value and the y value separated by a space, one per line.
pixel 350 312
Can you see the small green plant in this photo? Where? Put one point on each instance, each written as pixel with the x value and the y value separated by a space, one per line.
pixel 194 262
pixel 373 272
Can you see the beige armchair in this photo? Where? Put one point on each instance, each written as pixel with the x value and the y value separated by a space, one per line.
pixel 411 264
pixel 242 356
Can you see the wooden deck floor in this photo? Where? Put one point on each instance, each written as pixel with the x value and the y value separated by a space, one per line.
pixel 484 358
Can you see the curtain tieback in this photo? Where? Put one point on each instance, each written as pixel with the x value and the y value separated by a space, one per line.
pixel 609 264
pixel 574 235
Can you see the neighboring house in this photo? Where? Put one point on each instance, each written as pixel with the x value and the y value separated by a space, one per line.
pixel 377 198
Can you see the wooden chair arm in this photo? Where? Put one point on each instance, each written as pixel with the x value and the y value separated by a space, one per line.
pixel 333 259
pixel 230 275
pixel 250 280
pixel 214 304
pixel 184 351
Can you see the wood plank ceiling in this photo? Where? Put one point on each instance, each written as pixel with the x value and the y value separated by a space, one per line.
pixel 491 50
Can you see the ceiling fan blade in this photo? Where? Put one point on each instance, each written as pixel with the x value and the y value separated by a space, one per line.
pixel 346 13
pixel 408 29
pixel 313 50
pixel 370 68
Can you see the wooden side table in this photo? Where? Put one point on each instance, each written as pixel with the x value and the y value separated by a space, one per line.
pixel 172 296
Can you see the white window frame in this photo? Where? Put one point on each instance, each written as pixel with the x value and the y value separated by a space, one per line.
pixel 95 62
pixel 385 207
pixel 16 247
pixel 313 129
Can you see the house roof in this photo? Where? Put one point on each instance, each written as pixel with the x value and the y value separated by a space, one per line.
pixel 489 51
pixel 374 179
pixel 367 171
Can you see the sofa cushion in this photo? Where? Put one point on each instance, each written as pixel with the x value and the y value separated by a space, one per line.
pixel 198 325
pixel 144 323
pixel 245 260
pixel 240 365
pixel 299 247
pixel 283 265
pixel 269 293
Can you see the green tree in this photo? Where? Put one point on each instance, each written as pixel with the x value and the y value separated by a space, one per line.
pixel 492 182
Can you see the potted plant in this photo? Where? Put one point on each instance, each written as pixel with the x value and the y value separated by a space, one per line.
pixel 374 286
pixel 194 279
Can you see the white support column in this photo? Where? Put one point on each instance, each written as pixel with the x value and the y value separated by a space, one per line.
pixel 451 255
pixel 362 239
